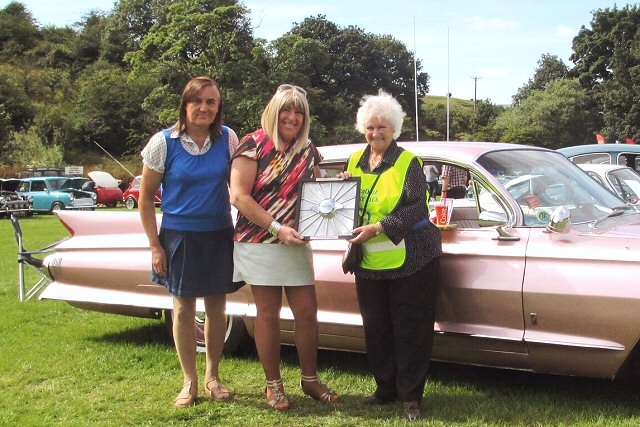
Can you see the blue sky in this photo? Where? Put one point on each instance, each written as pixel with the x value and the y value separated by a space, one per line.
pixel 482 48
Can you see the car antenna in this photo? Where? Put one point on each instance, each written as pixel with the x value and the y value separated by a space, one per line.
pixel 115 160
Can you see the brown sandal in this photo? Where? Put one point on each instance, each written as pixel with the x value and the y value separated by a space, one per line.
pixel 187 396
pixel 278 400
pixel 216 390
pixel 327 395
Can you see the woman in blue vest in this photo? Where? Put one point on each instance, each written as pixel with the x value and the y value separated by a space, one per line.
pixel 397 279
pixel 192 255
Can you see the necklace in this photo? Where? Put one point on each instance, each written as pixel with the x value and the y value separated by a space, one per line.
pixel 373 163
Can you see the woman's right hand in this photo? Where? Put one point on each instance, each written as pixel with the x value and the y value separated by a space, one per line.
pixel 344 175
pixel 159 260
pixel 289 236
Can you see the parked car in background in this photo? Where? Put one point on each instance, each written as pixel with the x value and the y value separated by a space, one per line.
pixel 606 154
pixel 55 193
pixel 12 202
pixel 622 180
pixel 106 188
pixel 42 171
pixel 547 286
pixel 132 193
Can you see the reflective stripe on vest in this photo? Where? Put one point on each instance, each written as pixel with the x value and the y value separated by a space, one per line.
pixel 379 252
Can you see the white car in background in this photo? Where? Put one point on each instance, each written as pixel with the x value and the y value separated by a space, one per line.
pixel 622 180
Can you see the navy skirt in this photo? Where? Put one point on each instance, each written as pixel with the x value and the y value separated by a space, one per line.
pixel 200 263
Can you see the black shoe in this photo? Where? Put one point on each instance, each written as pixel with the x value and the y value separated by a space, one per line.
pixel 375 400
pixel 411 410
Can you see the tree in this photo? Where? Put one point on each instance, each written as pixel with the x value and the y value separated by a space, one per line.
pixel 107 110
pixel 483 121
pixel 18 32
pixel 15 101
pixel 550 68
pixel 298 60
pixel 88 44
pixel 554 117
pixel 55 50
pixel 128 24
pixel 28 149
pixel 607 63
pixel 197 37
pixel 360 64
pixel 50 90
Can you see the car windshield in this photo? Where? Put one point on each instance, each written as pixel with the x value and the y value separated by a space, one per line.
pixel 57 184
pixel 73 183
pixel 541 181
pixel 626 182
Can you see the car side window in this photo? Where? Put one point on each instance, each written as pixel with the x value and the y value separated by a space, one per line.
pixel 595 158
pixel 38 186
pixel 467 205
pixel 489 207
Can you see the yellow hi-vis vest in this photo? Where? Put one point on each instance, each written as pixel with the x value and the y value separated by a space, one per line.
pixel 379 252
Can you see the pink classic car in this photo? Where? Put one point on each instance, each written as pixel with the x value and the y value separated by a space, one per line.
pixel 539 272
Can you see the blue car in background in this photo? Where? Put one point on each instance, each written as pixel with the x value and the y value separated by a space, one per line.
pixel 51 193
pixel 604 154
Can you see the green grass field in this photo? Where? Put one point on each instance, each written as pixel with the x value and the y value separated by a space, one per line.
pixel 63 366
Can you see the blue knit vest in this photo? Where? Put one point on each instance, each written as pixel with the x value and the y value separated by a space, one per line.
pixel 195 192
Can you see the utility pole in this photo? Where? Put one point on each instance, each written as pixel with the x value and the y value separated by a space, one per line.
pixel 448 88
pixel 415 75
pixel 475 91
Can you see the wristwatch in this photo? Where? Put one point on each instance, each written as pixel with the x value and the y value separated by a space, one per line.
pixel 379 228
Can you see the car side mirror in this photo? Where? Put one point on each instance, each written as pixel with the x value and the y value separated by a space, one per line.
pixel 560 221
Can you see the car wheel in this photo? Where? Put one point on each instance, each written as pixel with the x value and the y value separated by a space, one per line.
pixel 57 206
pixel 131 203
pixel 235 337
pixel 112 204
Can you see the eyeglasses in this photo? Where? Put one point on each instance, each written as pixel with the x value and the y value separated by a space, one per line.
pixel 298 89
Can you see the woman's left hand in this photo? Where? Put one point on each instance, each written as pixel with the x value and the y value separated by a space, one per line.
pixel 344 175
pixel 364 233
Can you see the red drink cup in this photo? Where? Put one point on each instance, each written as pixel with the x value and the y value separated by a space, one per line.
pixel 442 215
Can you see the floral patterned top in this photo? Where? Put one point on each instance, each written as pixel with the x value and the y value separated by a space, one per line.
pixel 276 188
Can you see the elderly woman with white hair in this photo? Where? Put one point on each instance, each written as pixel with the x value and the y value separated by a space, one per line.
pixel 397 278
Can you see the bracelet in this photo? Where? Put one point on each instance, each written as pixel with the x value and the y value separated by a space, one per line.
pixel 274 228
pixel 379 229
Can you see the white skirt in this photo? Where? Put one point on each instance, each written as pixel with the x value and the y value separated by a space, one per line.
pixel 272 264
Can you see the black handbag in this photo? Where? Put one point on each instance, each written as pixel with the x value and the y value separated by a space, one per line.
pixel 353 255
pixel 352 258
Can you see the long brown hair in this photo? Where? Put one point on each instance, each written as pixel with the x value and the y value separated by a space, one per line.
pixel 189 93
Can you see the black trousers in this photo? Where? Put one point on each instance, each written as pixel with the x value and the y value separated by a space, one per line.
pixel 432 186
pixel 398 317
pixel 457 193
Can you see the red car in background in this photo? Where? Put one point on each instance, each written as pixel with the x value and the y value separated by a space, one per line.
pixel 106 188
pixel 132 193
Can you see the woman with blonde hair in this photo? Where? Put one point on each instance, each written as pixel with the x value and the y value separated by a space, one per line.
pixel 269 253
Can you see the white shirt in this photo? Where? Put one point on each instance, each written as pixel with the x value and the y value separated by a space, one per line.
pixel 154 153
